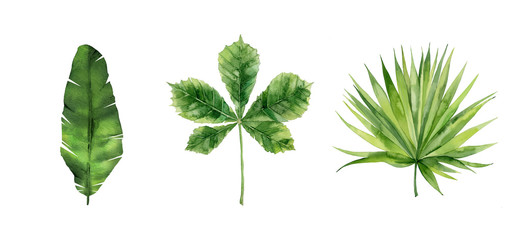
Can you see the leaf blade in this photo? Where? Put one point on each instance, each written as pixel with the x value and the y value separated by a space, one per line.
pixel 467 150
pixel 285 98
pixel 393 159
pixel 429 176
pixel 91 129
pixel 238 65
pixel 274 137
pixel 205 139
pixel 195 100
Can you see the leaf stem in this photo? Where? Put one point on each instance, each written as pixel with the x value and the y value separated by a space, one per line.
pixel 415 188
pixel 88 200
pixel 241 201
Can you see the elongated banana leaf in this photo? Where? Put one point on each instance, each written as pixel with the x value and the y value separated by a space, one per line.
pixel 91 130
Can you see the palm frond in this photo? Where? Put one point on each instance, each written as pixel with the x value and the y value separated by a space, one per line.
pixel 414 121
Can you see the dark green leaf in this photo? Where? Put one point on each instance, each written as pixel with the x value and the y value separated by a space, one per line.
pixel 286 98
pixel 204 139
pixel 239 65
pixel 272 136
pixel 195 100
pixel 91 130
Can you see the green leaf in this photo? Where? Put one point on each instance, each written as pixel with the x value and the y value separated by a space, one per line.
pixel 285 98
pixel 429 176
pixel 393 159
pixel 91 130
pixel 204 139
pixel 272 136
pixel 386 124
pixel 453 162
pixel 458 140
pixel 380 143
pixel 403 88
pixel 239 65
pixel 415 97
pixel 438 168
pixel 467 150
pixel 450 111
pixel 386 142
pixel 454 126
pixel 396 104
pixel 436 91
pixel 475 165
pixel 416 118
pixel 448 97
pixel 195 100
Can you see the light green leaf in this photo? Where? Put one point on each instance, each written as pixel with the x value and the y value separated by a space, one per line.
pixel 386 124
pixel 239 65
pixel 438 168
pixel 272 136
pixel 204 139
pixel 387 143
pixel 467 151
pixel 285 98
pixel 380 143
pixel 416 118
pixel 450 111
pixel 91 130
pixel 396 105
pixel 393 159
pixel 429 176
pixel 415 97
pixel 458 140
pixel 435 95
pixel 403 88
pixel 453 162
pixel 448 97
pixel 195 100
pixel 357 154
pixel 454 126
pixel 475 165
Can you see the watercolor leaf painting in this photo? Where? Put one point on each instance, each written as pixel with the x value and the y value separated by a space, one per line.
pixel 91 130
pixel 286 98
pixel 414 122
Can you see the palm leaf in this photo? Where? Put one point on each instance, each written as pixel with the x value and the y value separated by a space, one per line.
pixel 416 120
pixel 396 160
pixel 91 130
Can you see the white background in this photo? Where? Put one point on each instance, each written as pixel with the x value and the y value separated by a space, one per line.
pixel 160 191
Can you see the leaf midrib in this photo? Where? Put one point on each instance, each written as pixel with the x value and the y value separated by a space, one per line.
pixel 209 105
pixel 279 143
pixel 214 134
pixel 299 90
pixel 90 130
